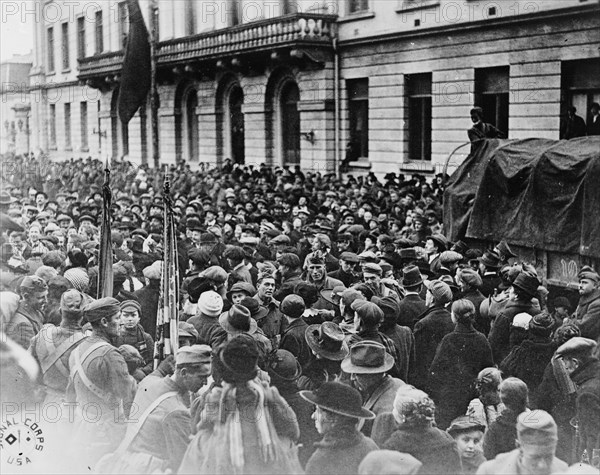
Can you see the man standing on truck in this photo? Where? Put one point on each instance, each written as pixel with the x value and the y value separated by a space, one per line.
pixel 480 129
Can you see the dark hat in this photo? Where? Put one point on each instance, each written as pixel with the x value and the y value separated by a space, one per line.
pixel 292 306
pixel 289 259
pixel 139 232
pixel 245 287
pixel 339 398
pixel 327 340
pixel 238 320
pixel 460 247
pixel 504 251
pixel 240 358
pixel 367 357
pixel 283 365
pixel 562 302
pixel 131 304
pixel 464 424
pixel 411 276
pixel 208 238
pixel 197 286
pixel 281 239
pixel 389 306
pixel 198 256
pixel 421 219
pixel 349 257
pixel 440 240
pixel 542 324
pixel 527 283
pixel 102 308
pixel 368 312
pixel 490 259
pixel 87 217
pixel 257 311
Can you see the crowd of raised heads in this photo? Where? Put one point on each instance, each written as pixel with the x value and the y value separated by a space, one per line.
pixel 326 325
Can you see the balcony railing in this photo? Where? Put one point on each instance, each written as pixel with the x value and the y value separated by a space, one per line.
pixel 101 64
pixel 296 29
pixel 288 30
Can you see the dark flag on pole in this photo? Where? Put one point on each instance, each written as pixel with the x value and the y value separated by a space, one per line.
pixel 136 71
pixel 105 264
pixel 167 330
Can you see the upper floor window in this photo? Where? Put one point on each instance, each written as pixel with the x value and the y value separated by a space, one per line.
pixel 123 23
pixel 359 6
pixel 50 49
pixel 81 37
pixel 65 46
pixel 418 95
pixel 99 33
pixel 492 95
pixel 358 115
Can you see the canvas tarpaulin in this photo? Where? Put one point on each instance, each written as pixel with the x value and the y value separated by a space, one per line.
pixel 536 193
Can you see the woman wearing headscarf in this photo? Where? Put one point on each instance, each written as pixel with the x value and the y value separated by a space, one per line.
pixel 245 426
pixel 486 407
pixel 337 415
pixel 416 434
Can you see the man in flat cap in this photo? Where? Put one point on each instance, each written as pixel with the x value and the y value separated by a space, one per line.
pixel 587 314
pixel 581 362
pixel 372 274
pixel 536 445
pixel 29 318
pixel 161 440
pixel 99 379
pixel 347 273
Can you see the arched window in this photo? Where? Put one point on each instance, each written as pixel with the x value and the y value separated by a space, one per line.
pixel 289 119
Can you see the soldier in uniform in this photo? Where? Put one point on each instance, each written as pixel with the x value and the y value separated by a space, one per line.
pixel 99 385
pixel 29 318
pixel 161 440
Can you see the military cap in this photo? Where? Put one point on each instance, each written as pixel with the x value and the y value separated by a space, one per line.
pixel 587 272
pixel 87 217
pixel 102 308
pixel 63 217
pixel 537 428
pixel 194 355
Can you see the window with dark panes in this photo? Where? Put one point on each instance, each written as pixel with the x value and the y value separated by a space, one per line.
pixel 83 120
pixel 65 46
pixel 81 37
pixel 52 125
pixel 492 95
pixel 418 97
pixel 358 115
pixel 580 88
pixel 99 33
pixel 67 125
pixel 290 124
pixel 51 49
pixel 359 6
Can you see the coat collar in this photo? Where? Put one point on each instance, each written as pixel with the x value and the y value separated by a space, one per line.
pixel 586 299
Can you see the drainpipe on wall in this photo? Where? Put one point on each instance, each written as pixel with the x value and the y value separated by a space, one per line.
pixel 336 99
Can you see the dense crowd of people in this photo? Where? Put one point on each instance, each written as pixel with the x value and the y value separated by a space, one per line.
pixel 325 326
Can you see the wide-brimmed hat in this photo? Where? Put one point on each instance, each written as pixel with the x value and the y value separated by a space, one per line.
pixel 411 276
pixel 527 283
pixel 257 311
pixel 245 287
pixel 339 398
pixel 490 259
pixel 334 295
pixel 238 319
pixel 283 365
pixel 327 340
pixel 367 357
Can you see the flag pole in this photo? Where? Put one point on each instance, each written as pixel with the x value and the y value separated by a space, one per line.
pixel 154 99
pixel 105 270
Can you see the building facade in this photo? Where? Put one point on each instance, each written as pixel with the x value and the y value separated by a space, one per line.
pixel 15 105
pixel 383 85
